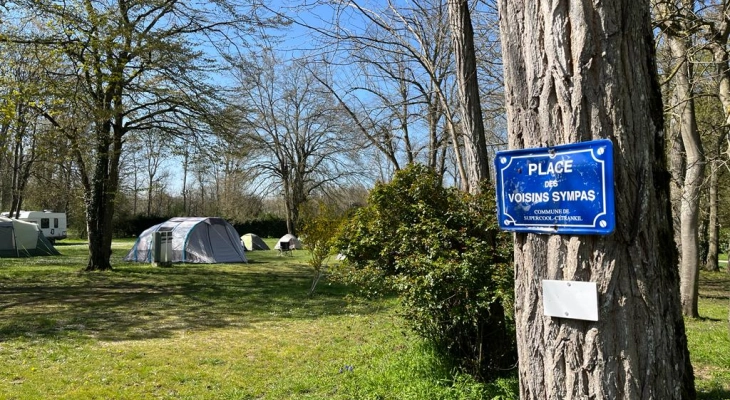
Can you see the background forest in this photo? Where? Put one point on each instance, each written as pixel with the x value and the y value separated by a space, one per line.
pixel 250 112
pixel 265 121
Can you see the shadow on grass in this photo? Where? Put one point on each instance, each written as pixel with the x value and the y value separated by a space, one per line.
pixel 714 285
pixel 60 243
pixel 143 302
pixel 708 319
pixel 715 394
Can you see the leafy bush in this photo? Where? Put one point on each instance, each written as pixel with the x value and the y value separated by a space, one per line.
pixel 319 228
pixel 441 251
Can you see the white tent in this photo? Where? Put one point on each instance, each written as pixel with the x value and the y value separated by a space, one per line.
pixel 252 241
pixel 23 239
pixel 194 240
pixel 294 243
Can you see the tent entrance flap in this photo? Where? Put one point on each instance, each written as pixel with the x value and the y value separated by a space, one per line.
pixel 6 238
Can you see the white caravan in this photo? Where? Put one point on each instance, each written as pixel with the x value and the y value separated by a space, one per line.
pixel 52 224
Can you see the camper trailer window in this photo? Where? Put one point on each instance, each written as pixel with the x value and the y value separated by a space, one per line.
pixel 55 222
pixel 45 223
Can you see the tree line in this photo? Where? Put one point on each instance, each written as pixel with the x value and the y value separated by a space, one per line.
pixel 144 107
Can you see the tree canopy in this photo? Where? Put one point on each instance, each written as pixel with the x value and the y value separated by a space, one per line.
pixel 124 66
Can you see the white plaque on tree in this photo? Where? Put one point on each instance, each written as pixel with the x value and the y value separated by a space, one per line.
pixel 569 299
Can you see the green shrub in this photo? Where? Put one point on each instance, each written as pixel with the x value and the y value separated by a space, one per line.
pixel 440 250
pixel 319 228
pixel 266 225
pixel 132 226
pixel 725 240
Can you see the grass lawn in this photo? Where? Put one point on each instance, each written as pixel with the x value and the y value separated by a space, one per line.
pixel 235 331
pixel 709 337
pixel 242 331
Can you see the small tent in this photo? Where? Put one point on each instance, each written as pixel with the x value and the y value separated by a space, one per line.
pixel 251 242
pixel 23 239
pixel 203 240
pixel 294 243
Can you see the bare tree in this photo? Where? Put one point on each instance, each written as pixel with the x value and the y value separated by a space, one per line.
pixel 233 181
pixel 711 262
pixel 152 154
pixel 395 78
pixel 300 140
pixel 576 72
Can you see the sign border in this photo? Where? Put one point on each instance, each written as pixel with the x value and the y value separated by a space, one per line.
pixel 600 150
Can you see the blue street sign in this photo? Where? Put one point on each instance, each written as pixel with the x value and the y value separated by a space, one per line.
pixel 564 189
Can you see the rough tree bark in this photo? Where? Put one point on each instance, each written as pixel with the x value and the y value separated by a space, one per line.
pixel 677 170
pixel 475 142
pixel 690 208
pixel 577 71
pixel 100 189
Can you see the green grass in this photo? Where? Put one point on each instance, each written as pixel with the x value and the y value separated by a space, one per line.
pixel 231 331
pixel 709 337
pixel 243 331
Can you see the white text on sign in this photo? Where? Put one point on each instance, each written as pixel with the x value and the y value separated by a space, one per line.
pixel 557 167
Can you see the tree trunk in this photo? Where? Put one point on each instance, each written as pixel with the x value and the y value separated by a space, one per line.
pixel 186 160
pixel 577 71
pixel 4 167
pixel 475 143
pixel 135 192
pixel 100 194
pixel 149 195
pixel 713 224
pixel 22 163
pixel 298 198
pixel 96 201
pixel 694 173
pixel 201 181
pixel 677 169
pixel 288 201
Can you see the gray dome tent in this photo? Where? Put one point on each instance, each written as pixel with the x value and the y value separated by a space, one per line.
pixel 23 239
pixel 205 240
pixel 294 243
